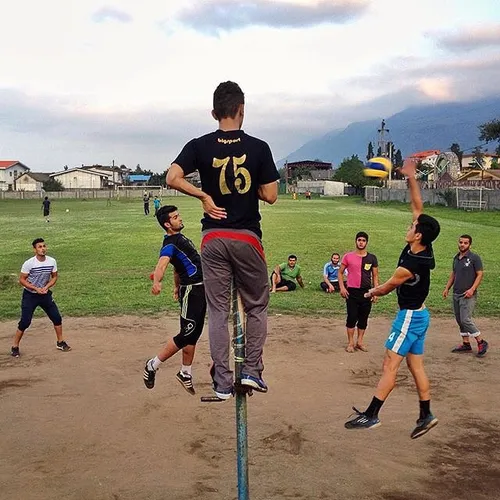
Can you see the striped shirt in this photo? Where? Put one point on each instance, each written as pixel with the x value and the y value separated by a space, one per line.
pixel 39 272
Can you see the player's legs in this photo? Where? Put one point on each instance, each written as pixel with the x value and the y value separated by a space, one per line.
pixel 29 303
pixel 50 308
pixel 351 321
pixel 324 287
pixel 467 306
pixel 364 309
pixel 464 333
pixel 217 277
pixel 251 282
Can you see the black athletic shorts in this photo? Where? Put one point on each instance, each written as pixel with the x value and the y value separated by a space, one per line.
pixel 193 309
pixel 291 285
pixel 358 308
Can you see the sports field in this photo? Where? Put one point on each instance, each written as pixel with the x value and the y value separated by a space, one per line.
pixel 81 425
pixel 105 254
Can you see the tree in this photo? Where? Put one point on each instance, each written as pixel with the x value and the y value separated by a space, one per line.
pixel 53 185
pixel 379 151
pixel 455 148
pixel 350 171
pixel 398 159
pixel 490 131
pixel 300 173
pixel 370 153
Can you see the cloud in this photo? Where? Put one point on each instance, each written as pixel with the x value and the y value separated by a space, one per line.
pixel 228 15
pixel 111 14
pixel 472 38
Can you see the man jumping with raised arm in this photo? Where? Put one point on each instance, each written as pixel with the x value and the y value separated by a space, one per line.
pixel 406 340
pixel 236 170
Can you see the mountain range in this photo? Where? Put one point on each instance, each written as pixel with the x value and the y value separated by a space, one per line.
pixel 414 129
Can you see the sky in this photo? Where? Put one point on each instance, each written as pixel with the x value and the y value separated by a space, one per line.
pixel 98 81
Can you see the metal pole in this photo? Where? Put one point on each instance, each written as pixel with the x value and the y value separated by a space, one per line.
pixel 241 396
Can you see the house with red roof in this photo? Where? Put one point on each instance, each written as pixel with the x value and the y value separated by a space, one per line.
pixel 10 170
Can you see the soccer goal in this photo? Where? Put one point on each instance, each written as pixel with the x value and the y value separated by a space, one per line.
pixel 372 194
pixel 124 192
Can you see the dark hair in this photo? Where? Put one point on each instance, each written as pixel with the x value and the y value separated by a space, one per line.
pixel 292 256
pixel 468 236
pixel 46 198
pixel 228 96
pixel 428 227
pixel 38 240
pixel 335 253
pixel 163 214
pixel 362 234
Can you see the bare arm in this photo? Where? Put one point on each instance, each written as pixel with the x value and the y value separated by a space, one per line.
pixel 23 280
pixel 175 179
pixel 158 274
pixel 409 169
pixel 177 284
pixel 299 281
pixel 343 289
pixel 451 280
pixel 375 276
pixel 470 292
pixel 268 192
pixel 398 278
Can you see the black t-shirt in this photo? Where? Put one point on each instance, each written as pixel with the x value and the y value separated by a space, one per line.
pixel 232 166
pixel 412 293
pixel 184 257
pixel 46 205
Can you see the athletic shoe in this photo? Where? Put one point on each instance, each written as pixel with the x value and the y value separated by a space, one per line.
pixel 224 395
pixel 14 352
pixel 424 425
pixel 187 381
pixel 361 421
pixel 482 348
pixel 255 383
pixel 465 347
pixel 62 346
pixel 149 376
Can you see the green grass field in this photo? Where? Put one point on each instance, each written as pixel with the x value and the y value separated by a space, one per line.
pixel 105 254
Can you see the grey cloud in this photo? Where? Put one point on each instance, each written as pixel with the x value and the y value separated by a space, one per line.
pixel 111 14
pixel 471 39
pixel 228 15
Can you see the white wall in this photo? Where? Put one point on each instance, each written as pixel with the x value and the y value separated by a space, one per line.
pixel 79 179
pixel 7 176
pixel 26 183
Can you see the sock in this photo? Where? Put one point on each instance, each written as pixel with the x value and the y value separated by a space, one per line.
pixel 425 408
pixel 155 363
pixel 374 408
pixel 186 369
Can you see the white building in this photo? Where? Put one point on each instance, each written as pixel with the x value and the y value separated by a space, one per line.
pixel 10 170
pixel 80 178
pixel 31 181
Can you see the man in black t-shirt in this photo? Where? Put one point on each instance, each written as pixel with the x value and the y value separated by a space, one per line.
pixel 236 170
pixel 188 290
pixel 46 208
pixel 406 340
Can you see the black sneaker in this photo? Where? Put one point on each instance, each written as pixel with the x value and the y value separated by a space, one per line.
pixel 186 381
pixel 14 352
pixel 149 376
pixel 482 348
pixel 62 346
pixel 465 347
pixel 424 425
pixel 361 421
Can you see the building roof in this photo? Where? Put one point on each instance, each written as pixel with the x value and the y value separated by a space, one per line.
pixel 10 163
pixel 138 178
pixel 477 174
pixel 74 169
pixel 314 164
pixel 37 176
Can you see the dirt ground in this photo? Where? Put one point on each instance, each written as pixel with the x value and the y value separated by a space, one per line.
pixel 82 426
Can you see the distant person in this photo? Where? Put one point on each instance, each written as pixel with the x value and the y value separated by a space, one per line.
pixel 46 208
pixel 157 205
pixel 465 278
pixel 188 291
pixel 330 283
pixel 284 276
pixel 308 195
pixel 145 198
pixel 236 171
pixel 362 268
pixel 38 276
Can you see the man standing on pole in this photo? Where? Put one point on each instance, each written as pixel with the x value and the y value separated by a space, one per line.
pixel 236 170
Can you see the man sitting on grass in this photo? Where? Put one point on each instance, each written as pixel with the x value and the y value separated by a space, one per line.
pixel 283 276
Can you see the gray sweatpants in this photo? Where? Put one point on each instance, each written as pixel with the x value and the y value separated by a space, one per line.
pixel 239 253
pixel 464 308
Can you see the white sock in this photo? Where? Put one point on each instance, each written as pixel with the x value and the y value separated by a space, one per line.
pixel 155 363
pixel 186 369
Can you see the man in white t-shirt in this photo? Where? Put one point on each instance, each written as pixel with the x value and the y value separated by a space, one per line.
pixel 38 276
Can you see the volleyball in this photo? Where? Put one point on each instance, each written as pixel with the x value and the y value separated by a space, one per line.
pixel 378 167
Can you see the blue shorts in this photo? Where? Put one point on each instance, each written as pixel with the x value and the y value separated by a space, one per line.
pixel 408 332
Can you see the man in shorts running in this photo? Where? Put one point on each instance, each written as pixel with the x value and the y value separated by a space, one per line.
pixel 236 171
pixel 406 340
pixel 188 290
